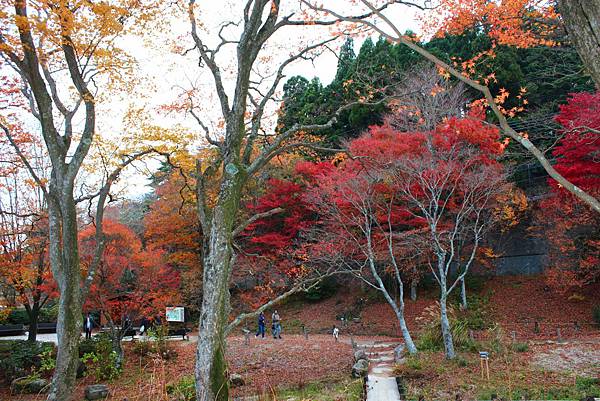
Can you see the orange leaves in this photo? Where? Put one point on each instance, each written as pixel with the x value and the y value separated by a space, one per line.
pixel 521 23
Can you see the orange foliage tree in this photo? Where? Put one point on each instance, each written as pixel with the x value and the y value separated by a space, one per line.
pixel 130 282
pixel 171 227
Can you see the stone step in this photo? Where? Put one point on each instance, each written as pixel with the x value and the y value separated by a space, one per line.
pixel 382 359
pixel 382 389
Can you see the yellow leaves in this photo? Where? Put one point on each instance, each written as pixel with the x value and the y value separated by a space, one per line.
pixel 488 252
pixel 443 73
pixel 510 206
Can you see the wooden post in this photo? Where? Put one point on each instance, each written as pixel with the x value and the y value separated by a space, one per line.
pixel 536 327
pixel 514 336
pixel 246 337
pixel 484 356
pixel 577 327
pixel 558 336
pixel 471 335
pixel 305 332
pixel 481 364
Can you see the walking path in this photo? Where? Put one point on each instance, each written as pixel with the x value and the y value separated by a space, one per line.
pixel 381 382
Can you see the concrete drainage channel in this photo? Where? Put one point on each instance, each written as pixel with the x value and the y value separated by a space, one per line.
pixel 381 384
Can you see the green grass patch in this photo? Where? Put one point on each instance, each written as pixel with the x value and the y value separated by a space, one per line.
pixel 348 390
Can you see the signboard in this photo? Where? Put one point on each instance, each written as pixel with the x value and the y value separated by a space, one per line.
pixel 484 354
pixel 175 314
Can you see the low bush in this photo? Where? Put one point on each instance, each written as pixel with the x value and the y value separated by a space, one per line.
pixel 430 338
pixel 102 363
pixel 596 314
pixel 143 347
pixel 20 316
pixel 325 289
pixel 183 390
pixel 19 358
pixel 520 347
pixel 160 345
pixel 88 346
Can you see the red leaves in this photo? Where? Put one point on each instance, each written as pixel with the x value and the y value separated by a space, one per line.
pixel 130 280
pixel 573 229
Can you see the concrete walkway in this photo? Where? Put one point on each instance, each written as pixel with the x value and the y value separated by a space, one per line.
pixel 381 382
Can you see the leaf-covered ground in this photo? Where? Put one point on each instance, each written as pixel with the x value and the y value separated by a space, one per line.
pixel 515 302
pixel 266 365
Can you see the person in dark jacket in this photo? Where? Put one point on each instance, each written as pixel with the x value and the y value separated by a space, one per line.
pixel 88 324
pixel 261 325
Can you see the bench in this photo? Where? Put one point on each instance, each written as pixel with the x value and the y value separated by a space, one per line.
pixel 178 332
pixel 12 330
pixel 46 328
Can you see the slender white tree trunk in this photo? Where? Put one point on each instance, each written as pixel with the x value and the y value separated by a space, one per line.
pixel 446 330
pixel 463 295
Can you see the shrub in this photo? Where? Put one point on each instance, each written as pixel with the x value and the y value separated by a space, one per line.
pixel 431 338
pixel 477 316
pixel 596 314
pixel 325 289
pixel 102 363
pixel 143 347
pixel 87 346
pixel 20 316
pixel 520 347
pixel 161 345
pixel 4 315
pixel 18 358
pixel 183 390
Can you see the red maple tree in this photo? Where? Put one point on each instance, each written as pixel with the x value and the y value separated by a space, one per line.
pixel 130 283
pixel 573 227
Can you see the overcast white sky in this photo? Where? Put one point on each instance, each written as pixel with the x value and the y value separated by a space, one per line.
pixel 167 74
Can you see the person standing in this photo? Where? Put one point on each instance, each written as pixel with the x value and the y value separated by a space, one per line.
pixel 276 319
pixel 261 325
pixel 88 324
pixel 336 333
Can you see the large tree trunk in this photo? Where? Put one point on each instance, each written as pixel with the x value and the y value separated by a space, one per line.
pixel 64 258
pixel 582 19
pixel 211 376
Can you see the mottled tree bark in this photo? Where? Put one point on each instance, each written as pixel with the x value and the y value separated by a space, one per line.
pixel 582 19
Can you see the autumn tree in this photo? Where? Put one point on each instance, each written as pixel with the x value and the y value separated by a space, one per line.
pixel 244 147
pixel 24 266
pixel 130 282
pixel 386 27
pixel 51 53
pixel 573 233
pixel 171 227
pixel 361 226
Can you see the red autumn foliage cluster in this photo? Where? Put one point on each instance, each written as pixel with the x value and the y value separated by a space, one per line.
pixel 572 227
pixel 390 177
pixel 131 282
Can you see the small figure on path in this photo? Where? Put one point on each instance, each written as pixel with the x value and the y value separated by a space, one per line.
pixel 336 333
pixel 88 324
pixel 276 325
pixel 261 325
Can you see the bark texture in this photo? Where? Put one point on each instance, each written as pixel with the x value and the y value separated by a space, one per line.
pixel 582 19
